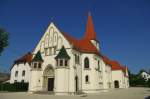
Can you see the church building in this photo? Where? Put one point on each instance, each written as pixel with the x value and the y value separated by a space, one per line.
pixel 62 64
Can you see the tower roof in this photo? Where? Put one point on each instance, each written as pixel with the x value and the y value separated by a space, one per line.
pixel 37 57
pixel 62 54
pixel 90 32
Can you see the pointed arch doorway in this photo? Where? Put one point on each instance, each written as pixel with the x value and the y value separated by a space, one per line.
pixel 48 78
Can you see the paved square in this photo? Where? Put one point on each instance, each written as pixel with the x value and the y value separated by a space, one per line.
pixel 131 93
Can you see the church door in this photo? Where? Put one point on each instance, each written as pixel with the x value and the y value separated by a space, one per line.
pixel 50 84
pixel 116 84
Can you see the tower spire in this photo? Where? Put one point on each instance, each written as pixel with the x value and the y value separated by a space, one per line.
pixel 90 32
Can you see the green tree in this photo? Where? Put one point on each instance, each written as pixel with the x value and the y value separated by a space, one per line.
pixel 3 40
pixel 148 83
pixel 136 79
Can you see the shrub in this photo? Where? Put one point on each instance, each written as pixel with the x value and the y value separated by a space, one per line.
pixel 16 87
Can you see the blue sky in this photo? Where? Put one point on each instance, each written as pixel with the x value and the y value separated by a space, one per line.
pixel 122 27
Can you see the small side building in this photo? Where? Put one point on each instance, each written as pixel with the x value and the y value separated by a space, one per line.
pixel 120 77
pixel 20 71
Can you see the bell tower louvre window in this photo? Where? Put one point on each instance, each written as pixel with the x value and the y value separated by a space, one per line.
pixel 62 58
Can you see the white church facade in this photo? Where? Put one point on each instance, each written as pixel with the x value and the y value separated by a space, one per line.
pixel 63 64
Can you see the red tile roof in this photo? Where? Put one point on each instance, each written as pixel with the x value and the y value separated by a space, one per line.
pixel 106 60
pixel 116 66
pixel 83 45
pixel 26 58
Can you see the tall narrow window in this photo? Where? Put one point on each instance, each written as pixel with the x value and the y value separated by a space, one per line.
pixel 16 73
pixel 75 58
pixel 39 65
pixel 61 62
pixel 23 73
pixel 35 65
pixel 66 62
pixel 86 63
pixel 98 65
pixel 86 78
pixel 78 59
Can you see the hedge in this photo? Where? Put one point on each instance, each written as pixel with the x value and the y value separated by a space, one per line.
pixel 16 87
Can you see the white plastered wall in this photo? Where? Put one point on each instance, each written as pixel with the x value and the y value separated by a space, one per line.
pixel 119 76
pixel 20 67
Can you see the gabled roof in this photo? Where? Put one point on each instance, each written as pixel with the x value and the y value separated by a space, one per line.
pixel 26 58
pixel 37 57
pixel 116 66
pixel 62 54
pixel 83 45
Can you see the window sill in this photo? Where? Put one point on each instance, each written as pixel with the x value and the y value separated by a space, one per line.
pixel 87 82
pixel 87 68
pixel 36 69
pixel 58 67
pixel 98 70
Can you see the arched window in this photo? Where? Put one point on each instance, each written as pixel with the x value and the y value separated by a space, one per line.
pixel 86 78
pixel 16 73
pixel 86 63
pixel 23 73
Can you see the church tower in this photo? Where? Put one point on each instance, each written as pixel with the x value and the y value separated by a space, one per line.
pixel 36 72
pixel 62 71
pixel 90 33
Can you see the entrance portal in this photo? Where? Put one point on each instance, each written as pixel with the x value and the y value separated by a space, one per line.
pixel 116 84
pixel 50 84
pixel 48 78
